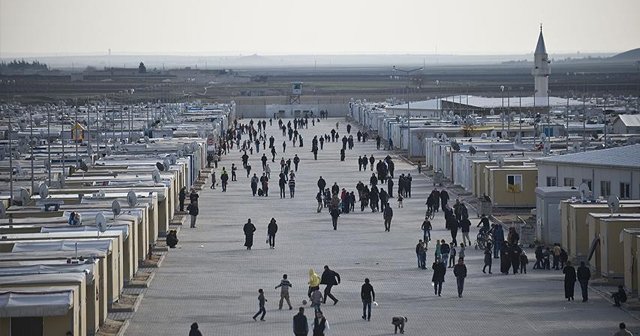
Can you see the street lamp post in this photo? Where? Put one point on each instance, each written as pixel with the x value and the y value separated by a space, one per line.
pixel 502 110
pixel 408 72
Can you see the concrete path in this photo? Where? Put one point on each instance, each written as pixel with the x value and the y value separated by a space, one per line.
pixel 211 279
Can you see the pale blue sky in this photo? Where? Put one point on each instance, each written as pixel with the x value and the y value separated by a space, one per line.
pixel 64 27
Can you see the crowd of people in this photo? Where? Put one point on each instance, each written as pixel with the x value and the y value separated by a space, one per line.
pixel 376 196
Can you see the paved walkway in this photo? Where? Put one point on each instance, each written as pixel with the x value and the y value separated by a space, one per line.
pixel 213 280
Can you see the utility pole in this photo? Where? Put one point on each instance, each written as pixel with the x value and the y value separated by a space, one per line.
pixel 31 143
pixel 49 142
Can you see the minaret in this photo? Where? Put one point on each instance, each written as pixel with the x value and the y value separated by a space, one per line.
pixel 541 70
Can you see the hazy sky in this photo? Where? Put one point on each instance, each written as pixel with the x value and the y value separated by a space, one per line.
pixel 55 27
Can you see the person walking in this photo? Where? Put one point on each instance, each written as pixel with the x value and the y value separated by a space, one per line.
pixel 569 281
pixel 584 275
pixel 181 197
pixel 282 183
pixel 300 324
pixel 444 251
pixel 487 259
pixel 195 331
pixel 439 270
pixel 213 180
pixel 296 161
pixel 272 229
pixel 465 225
pixel 224 179
pixel 194 210
pixel 248 229
pixel 421 254
pixel 460 271
pixel 387 215
pixel 261 302
pixel 321 184
pixel 329 278
pixel 316 299
pixel 319 200
pixel 335 213
pixel 284 286
pixel 292 185
pixel 368 295
pixel 320 324
pixel 254 184
pixel 426 230
pixel 234 169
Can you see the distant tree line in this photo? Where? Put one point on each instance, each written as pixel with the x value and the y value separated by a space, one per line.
pixel 23 65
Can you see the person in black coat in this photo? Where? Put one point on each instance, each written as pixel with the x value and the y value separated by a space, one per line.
pixel 452 225
pixel 248 229
pixel 584 275
pixel 390 187
pixel 569 281
pixel 300 324
pixel 516 251
pixel 444 198
pixel 439 270
pixel 488 260
pixel 181 197
pixel 329 278
pixel 335 213
pixel 505 259
pixel 194 330
pixel 194 210
pixel 460 271
pixel 321 184
pixel 272 229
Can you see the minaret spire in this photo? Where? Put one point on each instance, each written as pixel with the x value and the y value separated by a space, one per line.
pixel 541 70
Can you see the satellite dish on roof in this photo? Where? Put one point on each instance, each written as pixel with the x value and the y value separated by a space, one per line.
pixel 115 208
pixel 455 146
pixel 146 139
pixel 23 196
pixel 494 134
pixel 166 163
pixel 518 138
pixel 156 176
pixel 173 159
pixel 492 112
pixel 490 156
pixel 472 150
pixel 194 146
pixel 43 191
pixel 101 222
pixel 160 166
pixel 584 191
pixel 101 194
pixel 614 204
pixel 500 161
pixel 132 199
pixel 186 148
pixel 83 166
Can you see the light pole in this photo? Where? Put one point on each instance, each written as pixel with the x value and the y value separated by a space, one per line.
pixel 408 72
pixel 438 103
pixel 502 109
